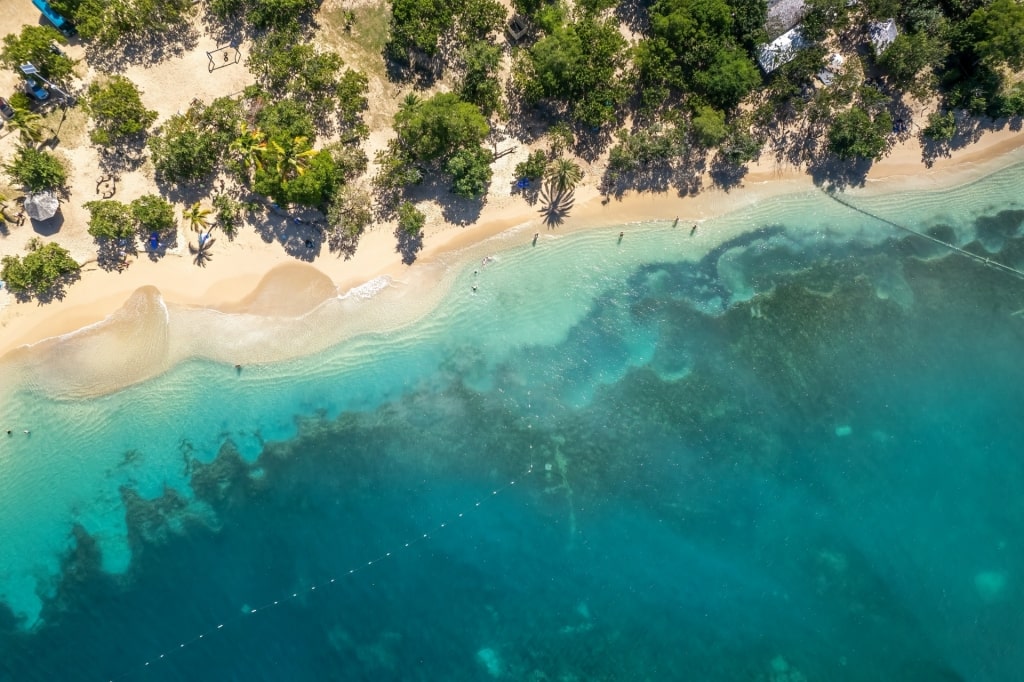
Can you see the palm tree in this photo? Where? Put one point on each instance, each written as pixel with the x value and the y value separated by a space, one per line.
pixel 29 125
pixel 563 175
pixel 249 146
pixel 410 101
pixel 291 160
pixel 196 216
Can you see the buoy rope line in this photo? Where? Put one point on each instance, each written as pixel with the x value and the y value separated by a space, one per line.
pixel 952 247
pixel 326 583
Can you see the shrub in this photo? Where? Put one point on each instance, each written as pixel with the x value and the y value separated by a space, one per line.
pixel 40 270
pixel 116 110
pixel 410 219
pixel 37 170
pixel 110 219
pixel 153 214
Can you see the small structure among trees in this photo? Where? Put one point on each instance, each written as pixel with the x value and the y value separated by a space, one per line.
pixel 882 34
pixel 781 51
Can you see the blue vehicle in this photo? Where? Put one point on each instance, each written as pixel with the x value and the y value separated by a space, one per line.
pixel 59 22
pixel 36 91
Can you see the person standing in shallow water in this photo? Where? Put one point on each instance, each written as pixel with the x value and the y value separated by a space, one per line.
pixel 693 229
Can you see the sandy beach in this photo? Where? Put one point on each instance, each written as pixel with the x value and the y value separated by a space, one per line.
pixel 241 264
pixel 255 274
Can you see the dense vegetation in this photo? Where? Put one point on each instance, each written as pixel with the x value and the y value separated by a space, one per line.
pixel 33 45
pixel 117 111
pixel 36 170
pixel 660 93
pixel 39 271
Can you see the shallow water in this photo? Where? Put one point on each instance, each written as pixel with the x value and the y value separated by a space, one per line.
pixel 794 459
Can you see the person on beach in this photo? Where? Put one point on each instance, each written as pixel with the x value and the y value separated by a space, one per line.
pixel 676 223
pixel 693 229
pixel 536 236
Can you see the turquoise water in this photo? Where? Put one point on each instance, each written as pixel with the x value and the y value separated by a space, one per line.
pixel 794 458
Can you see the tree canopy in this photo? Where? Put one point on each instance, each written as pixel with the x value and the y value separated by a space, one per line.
pixel 424 25
pixel 189 146
pixel 39 270
pixel 110 219
pixel 33 45
pixel 117 110
pixel 855 134
pixel 152 213
pixel 437 128
pixel 111 22
pixel 579 64
pixel 700 46
pixel 36 170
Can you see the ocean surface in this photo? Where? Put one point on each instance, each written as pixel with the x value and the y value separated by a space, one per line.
pixel 796 456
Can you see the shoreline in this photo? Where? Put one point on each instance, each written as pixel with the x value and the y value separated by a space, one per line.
pixel 233 281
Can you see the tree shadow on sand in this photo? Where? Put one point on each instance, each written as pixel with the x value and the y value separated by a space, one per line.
pixel 556 206
pixel 408 245
pixel 57 292
pixel 147 49
pixel 201 253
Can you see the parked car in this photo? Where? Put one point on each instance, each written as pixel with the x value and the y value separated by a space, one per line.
pixel 5 108
pixel 36 91
pixel 56 49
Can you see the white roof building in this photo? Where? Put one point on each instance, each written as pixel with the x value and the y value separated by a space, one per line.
pixel 882 34
pixel 833 68
pixel 781 50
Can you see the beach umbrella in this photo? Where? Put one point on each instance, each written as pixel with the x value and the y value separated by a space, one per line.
pixel 41 206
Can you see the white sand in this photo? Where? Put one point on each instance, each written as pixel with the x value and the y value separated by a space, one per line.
pixel 237 279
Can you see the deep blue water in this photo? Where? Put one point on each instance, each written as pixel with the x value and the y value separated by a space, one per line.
pixel 818 483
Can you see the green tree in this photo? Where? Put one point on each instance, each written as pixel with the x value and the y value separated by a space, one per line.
pixel 348 216
pixel 908 56
pixel 563 175
pixel 823 16
pixel 117 111
pixel 227 212
pixel 110 219
pixel 279 14
pixel 579 64
pixel 292 158
pixel 854 134
pixel 111 22
pixel 350 93
pixel 197 217
pixel 997 31
pixel 249 147
pixel 698 46
pixel 420 25
pixel 42 268
pixel 286 120
pixel 480 84
pixel 314 186
pixel 709 126
pixel 28 124
pixel 152 213
pixel 36 170
pixel 33 45
pixel 437 128
pixel 728 78
pixel 188 146
pixel 941 127
pixel 533 167
pixel 471 172
pixel 410 219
